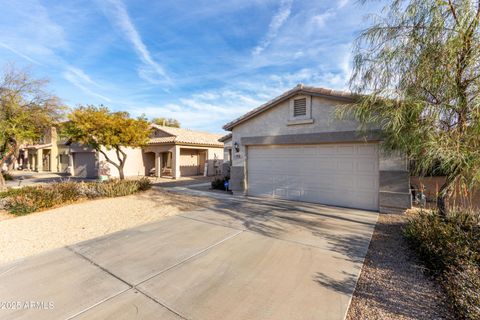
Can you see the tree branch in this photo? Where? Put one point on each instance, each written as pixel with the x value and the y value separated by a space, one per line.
pixel 107 158
pixel 454 13
pixel 122 159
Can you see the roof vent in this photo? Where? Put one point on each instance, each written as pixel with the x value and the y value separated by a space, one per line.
pixel 300 107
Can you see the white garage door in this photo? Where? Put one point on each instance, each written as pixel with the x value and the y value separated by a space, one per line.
pixel 335 174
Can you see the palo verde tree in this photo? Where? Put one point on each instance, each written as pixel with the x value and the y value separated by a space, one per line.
pixel 26 111
pixel 104 130
pixel 417 70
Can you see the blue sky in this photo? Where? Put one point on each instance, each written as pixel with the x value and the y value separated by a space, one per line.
pixel 201 62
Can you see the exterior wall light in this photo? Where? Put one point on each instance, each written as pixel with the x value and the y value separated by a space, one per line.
pixel 236 146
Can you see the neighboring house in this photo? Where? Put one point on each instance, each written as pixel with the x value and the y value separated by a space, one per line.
pixel 51 154
pixel 294 147
pixel 171 152
pixel 179 152
pixel 40 155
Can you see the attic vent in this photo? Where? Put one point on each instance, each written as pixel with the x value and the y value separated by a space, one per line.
pixel 300 107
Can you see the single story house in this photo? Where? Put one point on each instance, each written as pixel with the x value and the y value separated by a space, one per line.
pixel 180 152
pixel 294 147
pixel 170 152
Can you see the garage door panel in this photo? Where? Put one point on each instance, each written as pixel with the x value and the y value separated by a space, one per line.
pixel 294 194
pixel 365 199
pixel 345 150
pixel 366 183
pixel 342 174
pixel 281 193
pixel 326 150
pixel 367 149
pixel 346 165
pixel 366 165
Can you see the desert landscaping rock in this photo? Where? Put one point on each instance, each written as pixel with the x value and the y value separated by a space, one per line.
pixel 393 284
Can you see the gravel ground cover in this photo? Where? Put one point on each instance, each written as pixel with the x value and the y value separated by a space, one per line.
pixel 392 284
pixel 38 232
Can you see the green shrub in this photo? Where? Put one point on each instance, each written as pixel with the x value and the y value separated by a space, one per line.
pixel 12 192
pixel 30 199
pixel 118 188
pixel 440 241
pixel 450 248
pixel 462 285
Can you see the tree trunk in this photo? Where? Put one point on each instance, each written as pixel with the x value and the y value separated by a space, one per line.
pixel 442 197
pixel 3 186
pixel 7 155
pixel 122 157
pixel 120 173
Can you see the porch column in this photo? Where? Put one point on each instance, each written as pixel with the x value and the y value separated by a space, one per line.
pixel 29 161
pixel 39 160
pixel 70 164
pixel 34 162
pixel 24 160
pixel 54 160
pixel 158 164
pixel 176 162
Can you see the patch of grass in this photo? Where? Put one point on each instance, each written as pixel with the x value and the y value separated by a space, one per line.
pixel 34 198
pixel 450 248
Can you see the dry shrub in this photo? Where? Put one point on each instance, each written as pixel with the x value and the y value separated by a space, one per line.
pixel 30 199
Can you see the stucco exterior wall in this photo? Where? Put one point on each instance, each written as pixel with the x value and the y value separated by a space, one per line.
pixel 134 165
pixel 227 158
pixel 324 127
pixel 215 160
pixel 227 146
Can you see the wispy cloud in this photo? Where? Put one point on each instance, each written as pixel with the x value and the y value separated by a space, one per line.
pixel 31 34
pixel 24 56
pixel 81 80
pixel 319 20
pixel 208 109
pixel 81 75
pixel 275 24
pixel 151 70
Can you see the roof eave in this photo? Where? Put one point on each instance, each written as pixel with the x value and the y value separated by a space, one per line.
pixel 225 138
pixel 287 95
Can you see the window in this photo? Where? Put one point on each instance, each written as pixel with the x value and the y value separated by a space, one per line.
pixel 300 107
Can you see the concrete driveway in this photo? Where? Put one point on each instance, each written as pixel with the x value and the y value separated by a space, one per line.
pixel 243 259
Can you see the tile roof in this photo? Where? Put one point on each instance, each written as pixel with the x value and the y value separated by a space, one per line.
pixel 186 136
pixel 299 89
